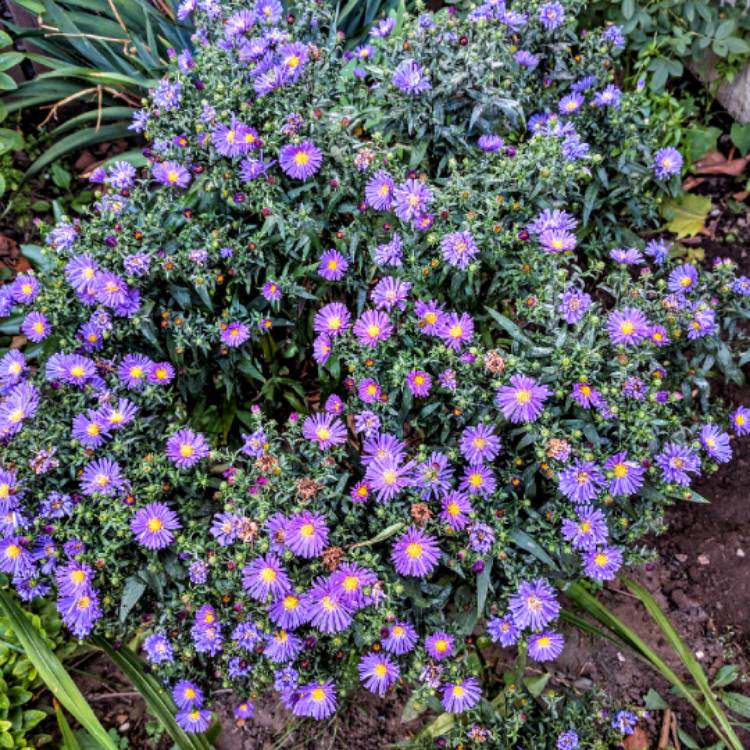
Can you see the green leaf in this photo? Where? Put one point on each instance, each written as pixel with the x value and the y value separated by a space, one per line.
pixel 687 215
pixel 524 541
pixel 740 135
pixel 9 59
pixel 737 702
pixel 78 140
pixel 5 40
pixel 157 699
pixel 699 141
pixel 725 29
pixel 39 257
pixel 7 83
pixel 726 675
pixel 68 738
pixel 386 533
pixel 536 683
pixel 131 593
pixel 653 701
pixel 52 672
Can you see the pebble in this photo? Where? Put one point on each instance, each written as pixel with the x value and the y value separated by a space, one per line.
pixel 703 560
pixel 740 552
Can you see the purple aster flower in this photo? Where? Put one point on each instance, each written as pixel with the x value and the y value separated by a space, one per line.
pixel 386 476
pixel 456 330
pixel 351 580
pixel 325 430
pixel 326 607
pixel 334 404
pixel 121 175
pixel 546 646
pixel 186 448
pixel 378 672
pixel 379 191
pixel 134 370
pixel 116 416
pixel 503 630
pixel 567 740
pixel 571 103
pixel 522 400
pixel 552 15
pixel 609 96
pixel 80 613
pixel 158 649
pixel 366 422
pixel 415 553
pixel 703 323
pixel 36 327
pixel 581 482
pixel 332 319
pixel 419 383
pixel 440 645
pixel 102 477
pixel 683 278
pixel 459 249
pixel 659 336
pixel 316 700
pixel 456 508
pixel 187 694
pixel 602 564
pixel 271 291
pixel 627 256
pixel 252 168
pixel 400 639
pixel 625 722
pixel 382 446
pixel 481 538
pixel 626 476
pixel 288 611
pixel 90 429
pixel 171 174
pixel 430 315
pixel 741 286
pixel 390 292
pixel 667 162
pixel 24 289
pixel 478 480
pixel 586 395
pixel 62 237
pixel 369 390
pixel 12 368
pixel 194 719
pixel 411 78
pixel 716 443
pixel 461 695
pixel 589 531
pixel 480 444
pixel 573 305
pixel 740 420
pixel 244 711
pixel 153 525
pixel 411 199
pixel 526 59
pixel 333 265
pixel 490 143
pixel 73 578
pixel 372 327
pixel 383 28
pixel 390 253
pixel 434 475
pixel 677 462
pixel 307 534
pixel 15 558
pixel 534 605
pixel 552 220
pixel 627 327
pixel 658 250
pixel 557 240
pixel 300 161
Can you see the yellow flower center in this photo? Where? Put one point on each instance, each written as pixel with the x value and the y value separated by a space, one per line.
pixel 155 525
pixel 414 550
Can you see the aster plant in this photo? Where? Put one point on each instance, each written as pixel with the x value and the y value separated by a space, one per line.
pixel 498 388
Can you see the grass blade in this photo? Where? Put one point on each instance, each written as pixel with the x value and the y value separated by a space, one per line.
pixel 157 699
pixel 69 741
pixel 577 593
pixel 52 672
pixel 687 658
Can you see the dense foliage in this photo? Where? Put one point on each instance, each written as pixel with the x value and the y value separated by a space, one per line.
pixel 427 248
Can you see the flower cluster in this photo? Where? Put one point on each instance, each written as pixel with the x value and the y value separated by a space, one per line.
pixel 419 245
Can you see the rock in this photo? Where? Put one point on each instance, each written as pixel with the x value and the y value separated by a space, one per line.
pixel 734 95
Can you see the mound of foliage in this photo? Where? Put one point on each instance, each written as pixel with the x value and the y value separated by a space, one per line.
pixel 427 248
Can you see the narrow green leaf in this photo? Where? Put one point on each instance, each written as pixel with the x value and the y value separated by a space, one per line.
pixel 52 672
pixel 68 738
pixel 7 83
pixel 737 702
pixel 157 699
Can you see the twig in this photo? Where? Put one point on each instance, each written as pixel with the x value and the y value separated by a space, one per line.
pixel 118 17
pixel 675 735
pixel 666 729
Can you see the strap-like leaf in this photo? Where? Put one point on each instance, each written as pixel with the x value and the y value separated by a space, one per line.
pixel 52 672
